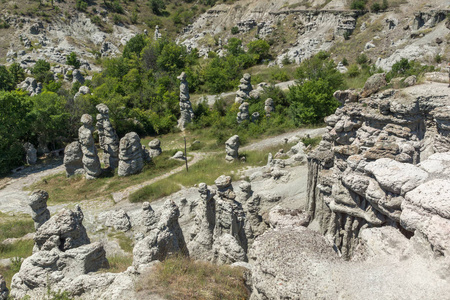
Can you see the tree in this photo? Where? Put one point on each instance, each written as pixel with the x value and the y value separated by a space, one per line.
pixel 41 71
pixel 14 107
pixel 259 48
pixel 311 101
pixel 157 6
pixel 135 46
pixel 6 80
pixel 234 46
pixel 72 60
pixel 17 73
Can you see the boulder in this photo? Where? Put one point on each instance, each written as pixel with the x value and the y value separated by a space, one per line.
pixel 155 148
pixel 119 220
pixel 374 84
pixel 30 153
pixel 131 160
pixel 91 162
pixel 38 203
pixel 179 155
pixel 232 148
pixel 243 113
pixel 269 106
pixel 73 159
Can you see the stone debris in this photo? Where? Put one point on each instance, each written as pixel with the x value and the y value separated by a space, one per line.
pixel 91 162
pixel 155 148
pixel 119 220
pixel 38 203
pixel 166 239
pixel 131 155
pixel 179 155
pixel 30 153
pixel 232 148
pixel 73 159
pixel 108 139
pixel 4 292
pixel 269 106
pixel 186 112
pixel 31 86
pixel 243 113
pixel 245 87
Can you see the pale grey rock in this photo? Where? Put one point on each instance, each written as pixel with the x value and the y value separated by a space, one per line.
pixel 51 267
pixel 109 49
pixel 186 112
pixel 149 219
pixel 157 35
pixel 38 203
pixel 91 162
pixel 243 113
pixel 245 87
pixel 385 240
pixel 31 86
pixel 163 241
pixel 232 148
pixel 255 116
pixel 4 292
pixel 83 90
pixel 179 155
pixel 374 84
pixel 131 160
pixel 201 237
pixel 282 217
pixel 396 177
pixel 119 220
pixel 269 106
pixel 67 227
pixel 155 148
pixel 227 250
pixel 73 159
pixel 30 153
pixel 410 81
pixel 108 139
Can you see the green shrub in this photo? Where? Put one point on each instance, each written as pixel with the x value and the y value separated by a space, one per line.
pixel 234 30
pixel 259 48
pixel 157 6
pixel 345 61
pixel 438 59
pixel 362 59
pixel 72 60
pixel 353 71
pixel 384 5
pixel 6 79
pixel 358 4
pixel 81 5
pixel 375 7
pixel 405 68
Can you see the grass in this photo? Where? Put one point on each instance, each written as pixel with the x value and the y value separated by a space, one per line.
pixel 311 141
pixel 20 248
pixel 182 278
pixel 15 226
pixel 125 242
pixel 118 263
pixel 9 271
pixel 206 170
pixel 76 188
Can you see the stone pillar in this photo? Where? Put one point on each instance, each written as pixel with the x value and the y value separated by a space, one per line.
pixel 91 162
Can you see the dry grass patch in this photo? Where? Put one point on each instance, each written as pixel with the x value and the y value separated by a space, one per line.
pixel 183 278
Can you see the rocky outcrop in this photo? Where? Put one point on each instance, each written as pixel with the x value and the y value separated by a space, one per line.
pixel 119 220
pixel 373 84
pixel 91 162
pixel 38 203
pixel 130 154
pixel 73 159
pixel 269 106
pixel 83 90
pixel 243 113
pixel 186 112
pixel 154 148
pixel 64 253
pixel 108 139
pixel 166 239
pixel 31 86
pixel 4 292
pixel 375 167
pixel 232 148
pixel 30 153
pixel 245 87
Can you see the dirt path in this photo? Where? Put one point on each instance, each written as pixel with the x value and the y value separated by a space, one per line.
pixel 124 194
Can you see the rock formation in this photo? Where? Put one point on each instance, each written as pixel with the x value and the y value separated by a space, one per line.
pixel 30 153
pixel 108 139
pixel 73 159
pixel 155 148
pixel 38 203
pixel 91 162
pixel 166 239
pixel 245 87
pixel 269 106
pixel 375 167
pixel 130 154
pixel 243 113
pixel 230 240
pixel 186 112
pixel 149 219
pixel 4 292
pixel 31 86
pixel 119 220
pixel 201 243
pixel 157 34
pixel 64 254
pixel 232 148
pixel 83 90
pixel 179 155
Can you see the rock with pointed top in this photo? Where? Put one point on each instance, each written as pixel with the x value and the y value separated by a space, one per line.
pixel 130 155
pixel 38 203
pixel 73 159
pixel 91 162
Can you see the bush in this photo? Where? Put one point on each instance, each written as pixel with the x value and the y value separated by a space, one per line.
pixel 41 71
pixel 72 60
pixel 353 71
pixel 345 61
pixel 234 30
pixel 134 46
pixel 157 6
pixel 6 80
pixel 384 5
pixel 81 5
pixel 438 59
pixel 358 4
pixel 259 48
pixel 17 73
pixel 375 7
pixel 405 68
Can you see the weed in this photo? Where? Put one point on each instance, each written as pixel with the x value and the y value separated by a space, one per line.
pixel 181 278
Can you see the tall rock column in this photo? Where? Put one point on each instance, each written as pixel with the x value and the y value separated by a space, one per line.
pixel 38 203
pixel 186 112
pixel 109 141
pixel 245 87
pixel 131 155
pixel 91 162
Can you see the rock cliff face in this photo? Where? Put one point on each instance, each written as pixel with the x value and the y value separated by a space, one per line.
pixel 383 163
